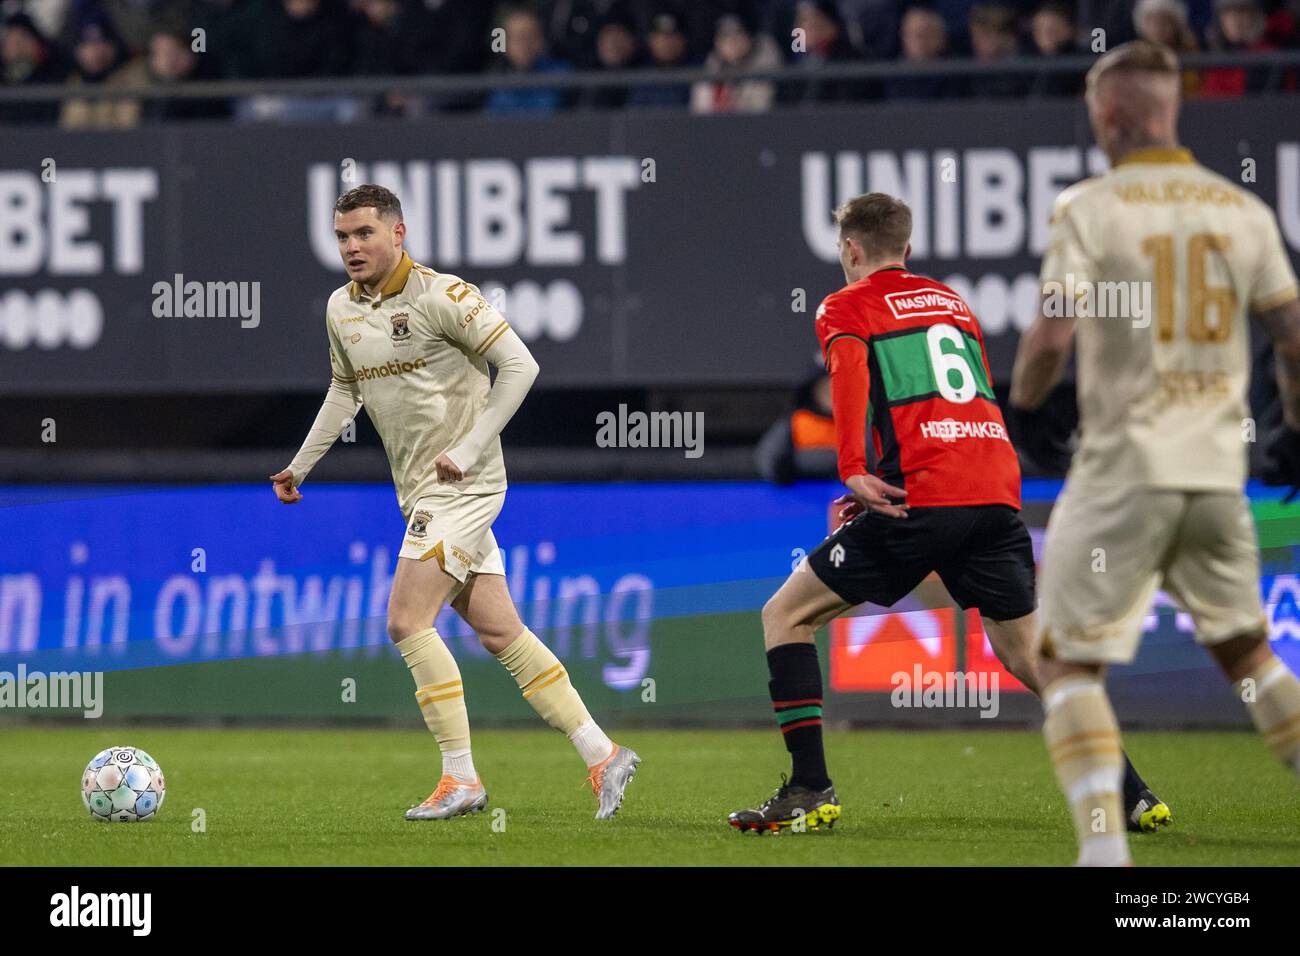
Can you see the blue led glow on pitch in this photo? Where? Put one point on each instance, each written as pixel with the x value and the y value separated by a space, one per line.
pixel 110 577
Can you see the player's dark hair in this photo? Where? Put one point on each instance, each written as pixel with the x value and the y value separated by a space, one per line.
pixel 385 201
pixel 880 223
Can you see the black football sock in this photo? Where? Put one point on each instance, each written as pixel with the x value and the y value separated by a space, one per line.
pixel 1133 785
pixel 796 688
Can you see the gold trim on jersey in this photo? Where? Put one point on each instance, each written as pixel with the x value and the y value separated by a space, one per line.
pixel 396 282
pixel 492 336
pixel 1158 154
pixel 1274 300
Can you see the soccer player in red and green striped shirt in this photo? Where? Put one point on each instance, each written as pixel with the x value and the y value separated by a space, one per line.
pixel 907 363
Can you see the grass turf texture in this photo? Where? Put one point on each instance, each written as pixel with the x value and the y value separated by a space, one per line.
pixel 913 798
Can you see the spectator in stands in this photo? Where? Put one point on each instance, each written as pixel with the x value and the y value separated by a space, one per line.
pixel 390 38
pixel 1165 22
pixel 873 26
pixel 923 38
pixel 133 20
pixel 666 43
pixel 995 36
pixel 1240 26
pixel 101 58
pixel 172 60
pixel 1283 24
pixel 229 28
pixel 570 28
pixel 1055 34
pixel 700 22
pixel 736 46
pixel 48 15
pixel 460 29
pixel 1053 30
pixel 617 48
pixel 1113 17
pixel 299 38
pixel 822 27
pixel 27 58
pixel 821 38
pixel 459 43
pixel 525 52
pixel 801 444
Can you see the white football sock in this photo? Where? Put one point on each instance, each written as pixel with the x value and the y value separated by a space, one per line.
pixel 593 746
pixel 459 764
pixel 1105 851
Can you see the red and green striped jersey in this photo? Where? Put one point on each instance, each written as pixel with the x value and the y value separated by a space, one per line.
pixel 910 363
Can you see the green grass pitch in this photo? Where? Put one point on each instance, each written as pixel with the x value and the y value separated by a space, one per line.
pixel 911 798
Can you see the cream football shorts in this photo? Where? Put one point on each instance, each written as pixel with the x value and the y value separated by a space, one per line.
pixel 1109 549
pixel 456 531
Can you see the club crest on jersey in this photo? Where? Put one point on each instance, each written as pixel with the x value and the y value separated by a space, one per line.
pixel 420 524
pixel 401 327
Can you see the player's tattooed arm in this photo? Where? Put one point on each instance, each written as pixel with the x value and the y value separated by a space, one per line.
pixel 1283 327
pixel 1040 362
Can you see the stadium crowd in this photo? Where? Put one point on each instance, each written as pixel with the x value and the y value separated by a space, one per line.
pixel 82 43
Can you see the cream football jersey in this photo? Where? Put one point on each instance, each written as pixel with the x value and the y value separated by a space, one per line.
pixel 414 355
pixel 1162 261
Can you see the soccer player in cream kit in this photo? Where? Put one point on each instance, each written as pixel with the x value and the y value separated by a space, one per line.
pixel 1154 494
pixel 413 346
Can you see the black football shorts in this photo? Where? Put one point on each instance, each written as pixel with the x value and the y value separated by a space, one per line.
pixel 982 554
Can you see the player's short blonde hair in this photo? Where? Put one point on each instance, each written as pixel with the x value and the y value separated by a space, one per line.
pixel 881 224
pixel 1137 56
